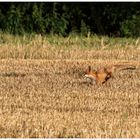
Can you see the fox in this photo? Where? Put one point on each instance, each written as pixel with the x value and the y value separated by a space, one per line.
pixel 103 74
pixel 95 77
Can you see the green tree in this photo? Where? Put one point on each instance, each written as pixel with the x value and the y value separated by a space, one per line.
pixel 13 20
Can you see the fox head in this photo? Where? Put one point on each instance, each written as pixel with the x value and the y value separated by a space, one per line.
pixel 90 75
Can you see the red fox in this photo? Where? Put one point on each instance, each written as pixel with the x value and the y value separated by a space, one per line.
pixel 95 77
pixel 103 74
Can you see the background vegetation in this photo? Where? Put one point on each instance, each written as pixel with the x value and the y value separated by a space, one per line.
pixel 112 19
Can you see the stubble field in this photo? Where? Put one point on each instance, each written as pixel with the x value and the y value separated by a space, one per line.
pixel 48 97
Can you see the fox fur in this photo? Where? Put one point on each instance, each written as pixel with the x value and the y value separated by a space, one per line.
pixel 103 74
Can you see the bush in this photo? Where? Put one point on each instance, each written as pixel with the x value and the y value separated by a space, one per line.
pixel 131 27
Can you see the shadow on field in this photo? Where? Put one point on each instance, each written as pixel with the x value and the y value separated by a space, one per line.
pixel 85 109
pixel 14 74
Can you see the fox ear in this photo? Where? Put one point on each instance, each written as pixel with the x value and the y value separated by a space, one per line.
pixel 89 68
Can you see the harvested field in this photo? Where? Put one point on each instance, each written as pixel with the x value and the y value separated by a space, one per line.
pixel 49 98
pixel 43 93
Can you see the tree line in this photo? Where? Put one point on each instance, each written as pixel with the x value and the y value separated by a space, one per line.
pixel 120 19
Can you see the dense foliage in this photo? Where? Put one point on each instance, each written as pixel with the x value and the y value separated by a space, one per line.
pixel 112 19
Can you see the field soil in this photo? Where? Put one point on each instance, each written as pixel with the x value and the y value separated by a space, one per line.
pixel 51 99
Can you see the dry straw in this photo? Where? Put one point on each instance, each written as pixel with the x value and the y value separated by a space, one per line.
pixel 43 93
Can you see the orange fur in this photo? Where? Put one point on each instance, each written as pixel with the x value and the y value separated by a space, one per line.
pixel 97 77
pixel 103 73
